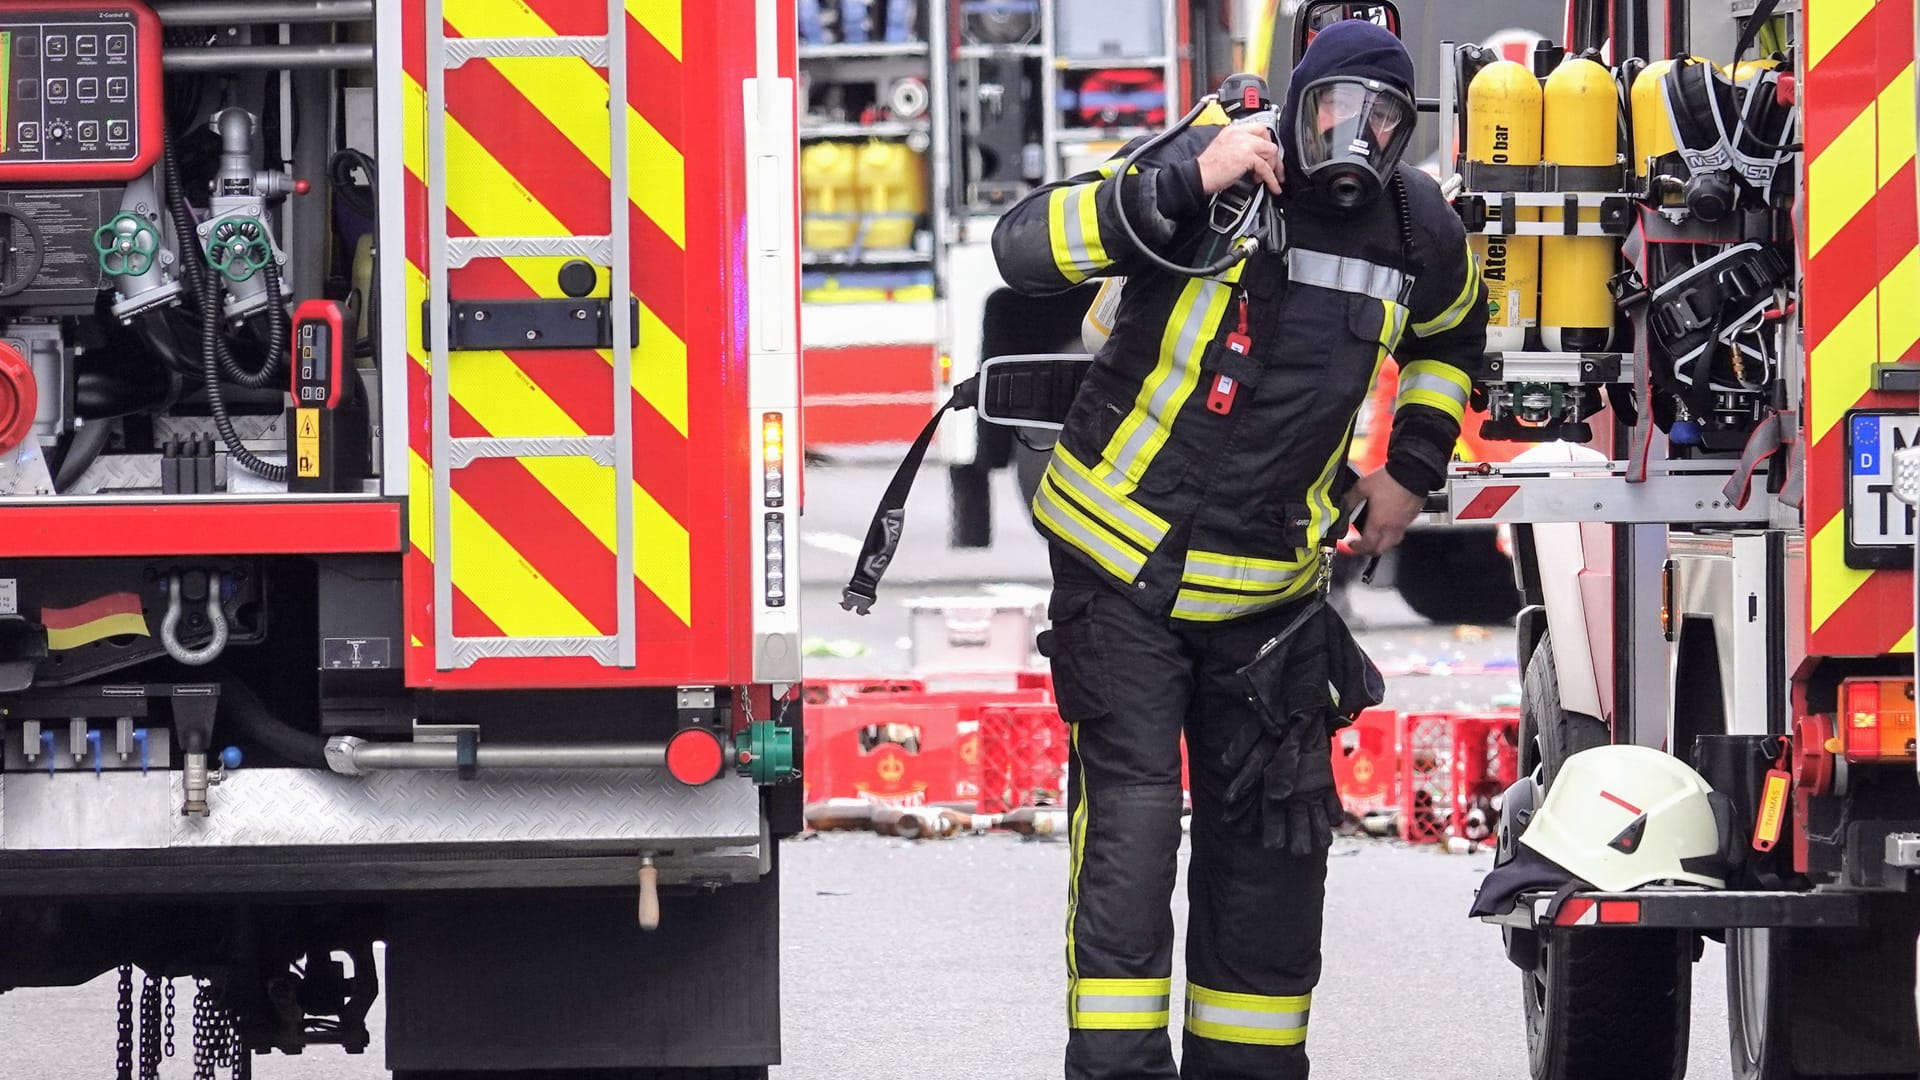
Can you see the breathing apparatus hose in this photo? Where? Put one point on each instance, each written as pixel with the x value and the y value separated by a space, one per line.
pixel 1241 246
pixel 214 353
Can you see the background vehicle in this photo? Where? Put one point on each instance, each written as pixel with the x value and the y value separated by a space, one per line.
pixel 395 519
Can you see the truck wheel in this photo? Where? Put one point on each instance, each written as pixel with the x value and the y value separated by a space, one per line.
pixel 1599 1004
pixel 1758 1038
pixel 1761 981
pixel 971 499
pixel 1456 576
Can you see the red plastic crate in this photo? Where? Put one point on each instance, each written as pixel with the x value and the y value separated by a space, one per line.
pixel 1366 766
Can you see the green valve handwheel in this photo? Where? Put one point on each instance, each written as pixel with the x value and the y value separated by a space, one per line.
pixel 765 753
pixel 126 245
pixel 238 250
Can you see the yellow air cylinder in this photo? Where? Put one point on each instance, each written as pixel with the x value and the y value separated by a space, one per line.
pixel 893 193
pixel 829 199
pixel 1582 129
pixel 1652 134
pixel 1503 128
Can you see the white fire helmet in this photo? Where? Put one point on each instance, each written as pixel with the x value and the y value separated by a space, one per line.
pixel 1619 817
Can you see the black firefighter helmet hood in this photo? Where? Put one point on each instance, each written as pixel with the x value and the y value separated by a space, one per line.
pixel 1360 76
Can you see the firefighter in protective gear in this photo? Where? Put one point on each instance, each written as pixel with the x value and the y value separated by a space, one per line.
pixel 1188 499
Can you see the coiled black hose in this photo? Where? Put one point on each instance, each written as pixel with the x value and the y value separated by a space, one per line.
pixel 217 402
pixel 215 357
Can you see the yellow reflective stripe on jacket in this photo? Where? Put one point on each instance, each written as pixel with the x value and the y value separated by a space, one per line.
pixel 1114 510
pixel 1256 1019
pixel 1456 312
pixel 1236 573
pixel 1119 1004
pixel 1073 225
pixel 1059 515
pixel 1395 325
pixel 1196 316
pixel 1343 273
pixel 1435 385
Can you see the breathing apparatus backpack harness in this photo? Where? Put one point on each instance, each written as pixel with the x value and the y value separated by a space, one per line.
pixel 1706 314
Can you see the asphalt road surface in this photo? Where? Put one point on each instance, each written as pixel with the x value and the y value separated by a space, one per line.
pixel 942 960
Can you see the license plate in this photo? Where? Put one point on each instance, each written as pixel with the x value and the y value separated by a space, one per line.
pixel 1875 519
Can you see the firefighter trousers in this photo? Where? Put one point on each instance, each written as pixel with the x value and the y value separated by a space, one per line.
pixel 1130 684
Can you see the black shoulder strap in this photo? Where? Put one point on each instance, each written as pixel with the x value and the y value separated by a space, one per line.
pixel 890 517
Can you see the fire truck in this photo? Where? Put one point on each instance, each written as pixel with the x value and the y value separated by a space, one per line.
pixel 401 471
pixel 1713 520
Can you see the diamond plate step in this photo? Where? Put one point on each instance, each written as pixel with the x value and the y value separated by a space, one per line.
pixel 591 49
pixel 462 250
pixel 598 447
pixel 466 651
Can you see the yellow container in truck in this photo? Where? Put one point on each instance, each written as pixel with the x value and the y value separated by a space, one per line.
pixel 829 196
pixel 892 180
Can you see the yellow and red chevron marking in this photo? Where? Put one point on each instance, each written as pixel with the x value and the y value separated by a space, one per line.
pixel 1862 301
pixel 533 545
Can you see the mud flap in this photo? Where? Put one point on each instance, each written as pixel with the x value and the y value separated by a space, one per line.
pixel 568 980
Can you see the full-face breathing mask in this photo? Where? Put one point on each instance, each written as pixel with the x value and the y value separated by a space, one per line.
pixel 1350 133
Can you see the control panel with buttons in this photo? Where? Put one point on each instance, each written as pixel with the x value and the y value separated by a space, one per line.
pixel 80 90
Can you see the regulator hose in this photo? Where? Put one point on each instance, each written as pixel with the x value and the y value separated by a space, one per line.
pixel 214 355
pixel 1238 249
pixel 216 400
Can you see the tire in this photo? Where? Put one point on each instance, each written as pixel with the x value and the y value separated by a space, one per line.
pixel 1456 576
pixel 971 499
pixel 1759 997
pixel 1599 1004
pixel 1758 1049
pixel 1608 1004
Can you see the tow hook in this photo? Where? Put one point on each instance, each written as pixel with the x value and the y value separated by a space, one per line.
pixel 216 618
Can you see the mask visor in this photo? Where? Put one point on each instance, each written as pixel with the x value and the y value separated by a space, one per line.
pixel 1351 133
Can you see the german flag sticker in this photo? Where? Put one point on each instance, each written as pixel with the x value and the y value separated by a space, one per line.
pixel 112 615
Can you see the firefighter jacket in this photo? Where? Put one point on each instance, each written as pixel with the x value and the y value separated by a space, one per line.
pixel 1199 463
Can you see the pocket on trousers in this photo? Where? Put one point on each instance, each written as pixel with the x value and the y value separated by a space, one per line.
pixel 1073 647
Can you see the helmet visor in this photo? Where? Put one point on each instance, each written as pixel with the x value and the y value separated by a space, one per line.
pixel 1361 121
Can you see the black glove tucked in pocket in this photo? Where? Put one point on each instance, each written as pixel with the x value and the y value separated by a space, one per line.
pixel 1307 682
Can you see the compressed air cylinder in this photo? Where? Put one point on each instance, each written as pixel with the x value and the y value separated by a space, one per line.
pixel 1582 115
pixel 1503 128
pixel 1652 134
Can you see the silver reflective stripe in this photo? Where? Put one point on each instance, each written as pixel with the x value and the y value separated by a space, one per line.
pixel 1434 384
pixel 1344 274
pixel 1238 570
pixel 1056 513
pixel 1117 1003
pixel 1076 235
pixel 1123 516
pixel 1191 605
pixel 1176 381
pixel 1246 1018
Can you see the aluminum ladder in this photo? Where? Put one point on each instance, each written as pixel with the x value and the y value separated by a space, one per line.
pixel 446 253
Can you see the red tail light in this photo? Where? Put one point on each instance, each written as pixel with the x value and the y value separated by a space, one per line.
pixel 694 756
pixel 1876 719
